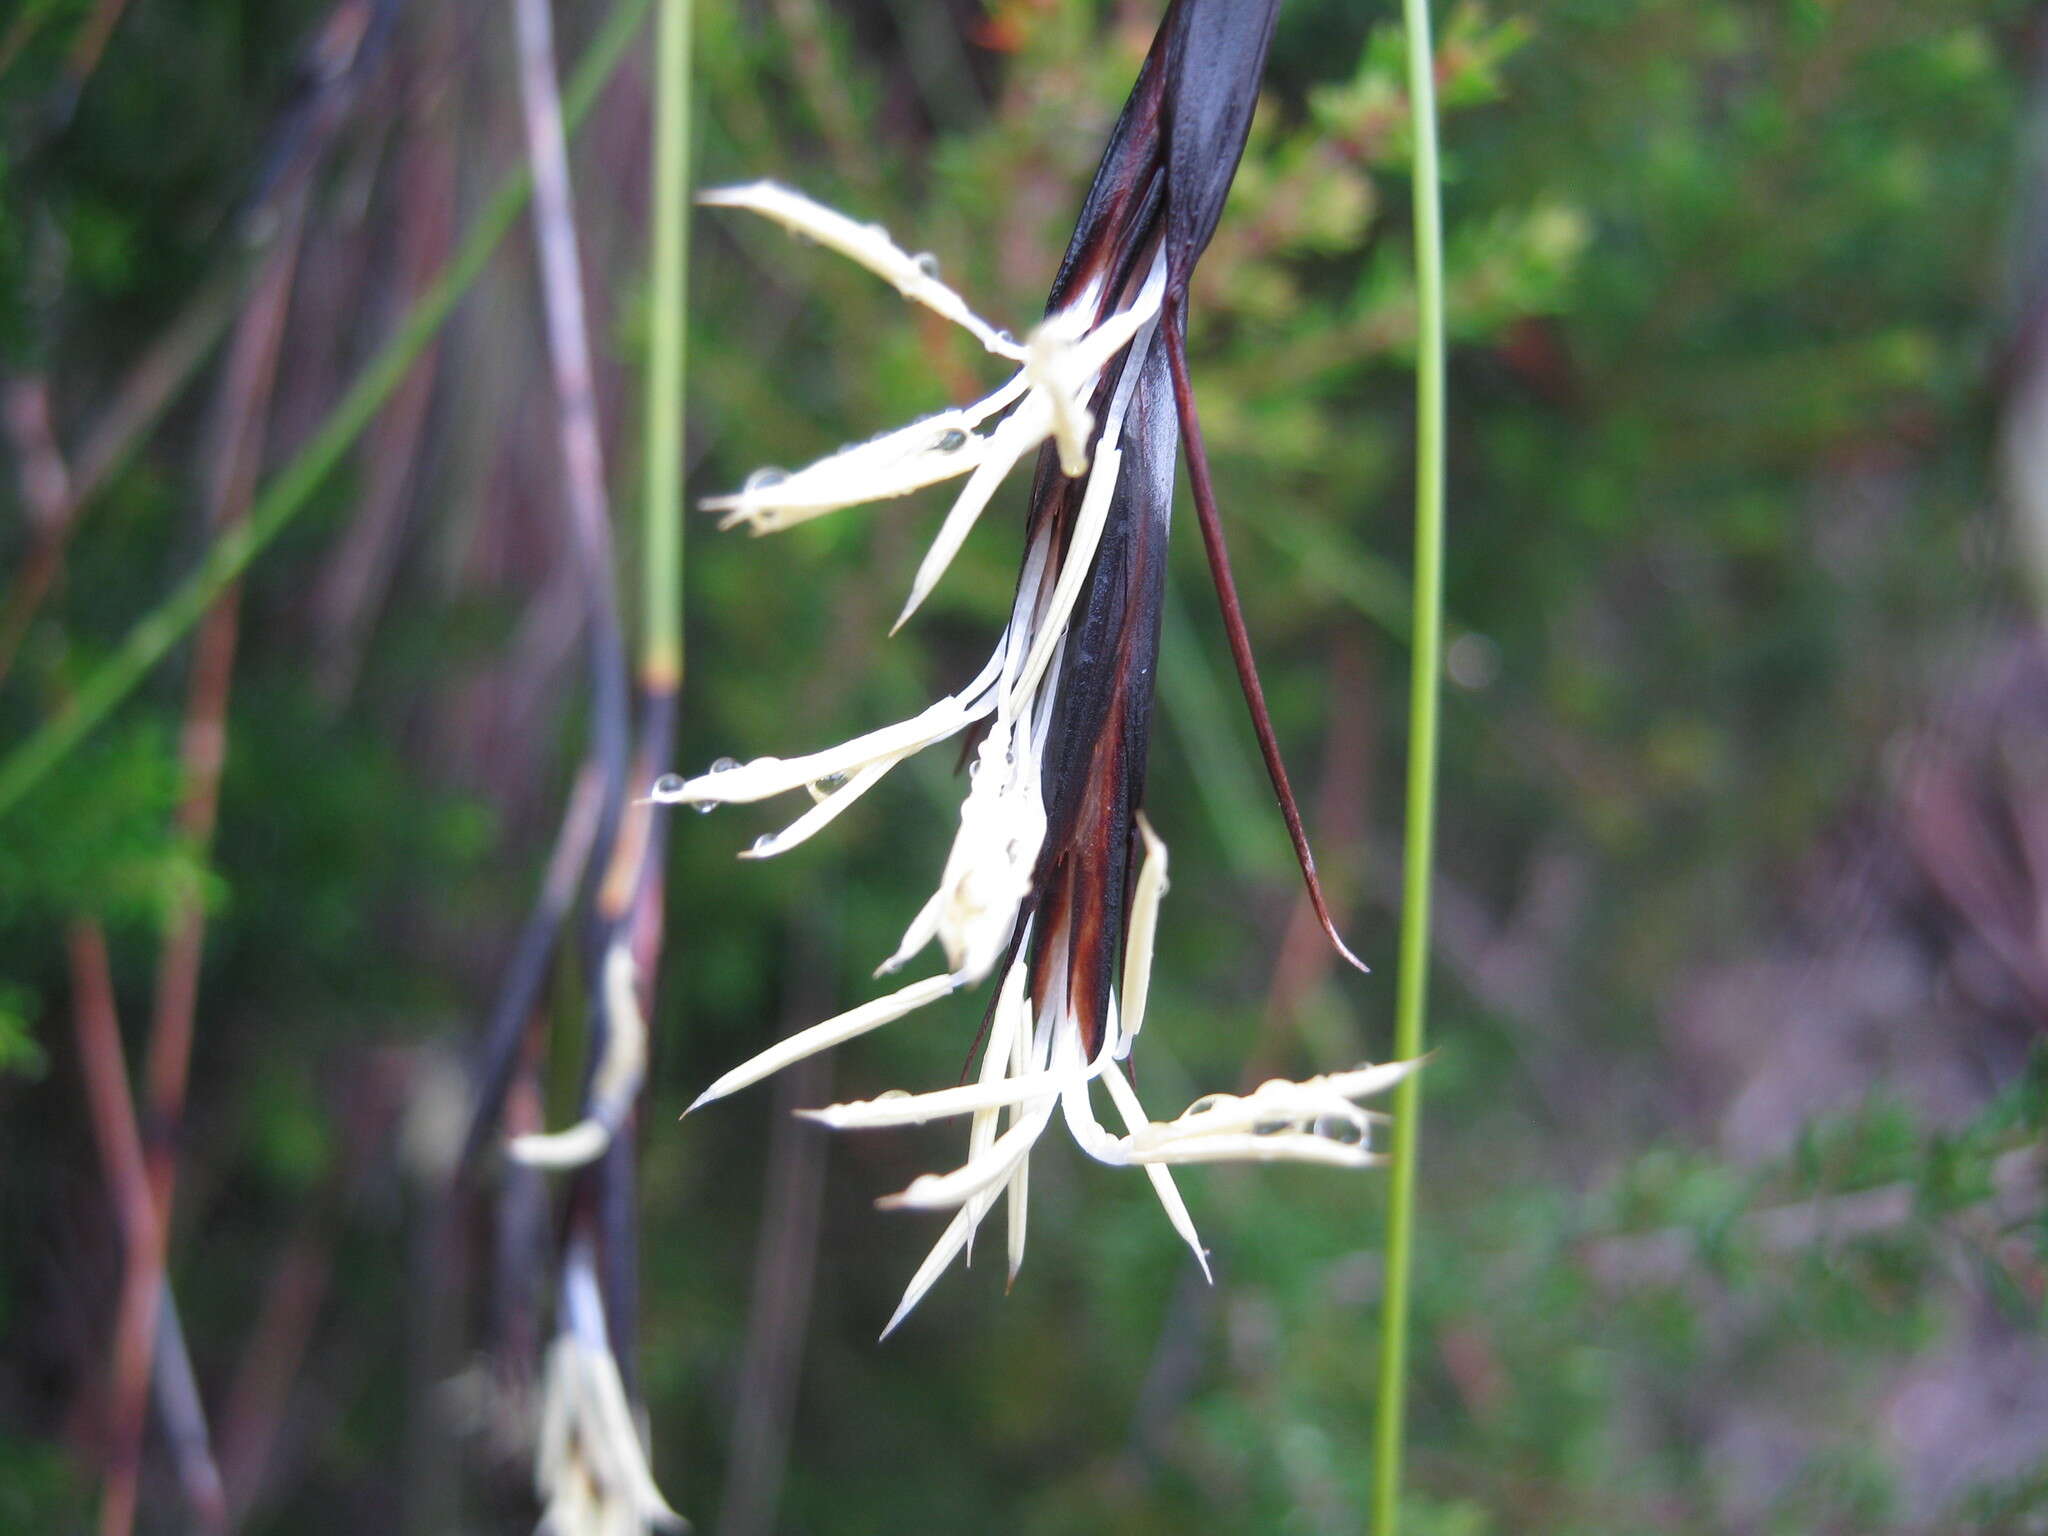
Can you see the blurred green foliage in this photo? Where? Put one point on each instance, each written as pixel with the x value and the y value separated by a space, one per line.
pixel 1724 296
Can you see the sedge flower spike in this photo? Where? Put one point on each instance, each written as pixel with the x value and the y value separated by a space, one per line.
pixel 1054 882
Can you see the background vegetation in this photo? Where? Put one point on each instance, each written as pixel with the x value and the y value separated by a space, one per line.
pixel 1732 1211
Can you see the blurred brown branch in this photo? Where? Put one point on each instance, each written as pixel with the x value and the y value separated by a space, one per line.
pixel 109 1098
pixel 150 385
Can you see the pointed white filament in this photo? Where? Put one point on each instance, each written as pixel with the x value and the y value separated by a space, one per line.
pixel 1145 899
pixel 932 449
pixel 1017 436
pixel 768 776
pixel 1008 1049
pixel 1125 1097
pixel 826 808
pixel 822 1037
pixel 916 278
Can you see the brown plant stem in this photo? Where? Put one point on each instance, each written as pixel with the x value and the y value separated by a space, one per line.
pixel 45 485
pixel 111 1106
pixel 1303 962
pixel 1174 332
pixel 150 386
pixel 238 456
pixel 245 391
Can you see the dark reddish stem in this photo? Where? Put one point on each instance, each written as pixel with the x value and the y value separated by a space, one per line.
pixel 1171 321
pixel 110 1103
pixel 246 390
pixel 1303 961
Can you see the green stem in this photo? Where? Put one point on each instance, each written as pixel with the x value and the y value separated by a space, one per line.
pixel 292 489
pixel 1418 844
pixel 662 651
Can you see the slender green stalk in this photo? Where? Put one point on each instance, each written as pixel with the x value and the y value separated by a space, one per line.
pixel 662 649
pixel 292 489
pixel 1419 839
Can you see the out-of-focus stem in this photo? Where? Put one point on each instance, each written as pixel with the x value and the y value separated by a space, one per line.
pixel 527 969
pixel 590 530
pixel 111 1104
pixel 178 1405
pixel 246 392
pixel 661 657
pixel 1419 837
pixel 150 386
pixel 145 1343
pixel 245 395
pixel 561 271
pixel 293 487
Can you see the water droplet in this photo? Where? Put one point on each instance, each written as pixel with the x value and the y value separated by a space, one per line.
pixel 764 480
pixel 829 781
pixel 669 784
pixel 952 440
pixel 725 765
pixel 1339 1129
pixel 1005 339
pixel 1272 1126
pixel 1203 1105
pixel 764 843
pixel 705 807
pixel 928 264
